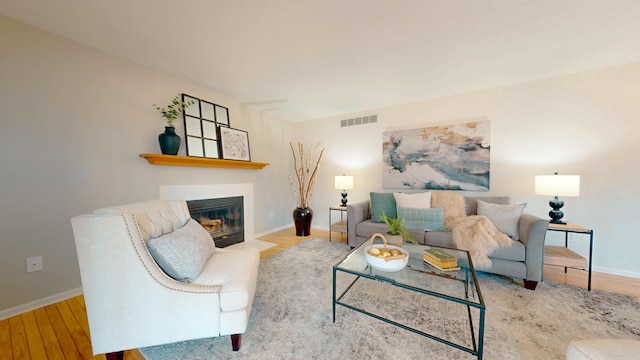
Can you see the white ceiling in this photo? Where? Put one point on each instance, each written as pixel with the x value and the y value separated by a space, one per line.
pixel 308 59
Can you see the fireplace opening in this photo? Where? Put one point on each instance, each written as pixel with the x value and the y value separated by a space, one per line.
pixel 223 218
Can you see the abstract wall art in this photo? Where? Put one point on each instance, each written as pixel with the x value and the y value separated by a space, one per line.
pixel 446 157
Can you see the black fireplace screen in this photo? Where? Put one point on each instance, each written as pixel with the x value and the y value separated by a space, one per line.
pixel 221 217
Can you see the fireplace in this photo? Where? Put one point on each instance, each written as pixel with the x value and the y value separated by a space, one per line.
pixel 223 218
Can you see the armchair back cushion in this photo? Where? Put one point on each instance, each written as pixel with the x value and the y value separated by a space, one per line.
pixel 154 218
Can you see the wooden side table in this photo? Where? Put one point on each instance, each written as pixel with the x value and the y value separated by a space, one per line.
pixel 340 226
pixel 563 256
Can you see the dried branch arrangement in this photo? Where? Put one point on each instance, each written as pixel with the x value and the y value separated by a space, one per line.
pixel 306 171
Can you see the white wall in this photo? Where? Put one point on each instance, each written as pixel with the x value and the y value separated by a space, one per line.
pixel 585 124
pixel 74 121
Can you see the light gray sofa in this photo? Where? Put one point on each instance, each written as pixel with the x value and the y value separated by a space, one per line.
pixel 523 259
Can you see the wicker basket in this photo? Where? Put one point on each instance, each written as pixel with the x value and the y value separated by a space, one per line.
pixel 392 263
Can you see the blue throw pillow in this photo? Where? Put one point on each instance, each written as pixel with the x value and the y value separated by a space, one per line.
pixel 424 219
pixel 382 203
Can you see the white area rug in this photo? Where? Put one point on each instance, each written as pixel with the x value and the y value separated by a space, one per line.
pixel 258 244
pixel 292 318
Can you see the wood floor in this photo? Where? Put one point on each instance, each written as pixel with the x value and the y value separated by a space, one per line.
pixel 61 331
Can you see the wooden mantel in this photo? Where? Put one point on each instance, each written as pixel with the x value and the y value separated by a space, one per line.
pixel 159 159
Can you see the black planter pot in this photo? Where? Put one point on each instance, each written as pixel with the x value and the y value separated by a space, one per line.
pixel 169 141
pixel 302 219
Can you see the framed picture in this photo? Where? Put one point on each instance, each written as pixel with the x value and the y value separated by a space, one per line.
pixel 201 121
pixel 234 144
pixel 445 157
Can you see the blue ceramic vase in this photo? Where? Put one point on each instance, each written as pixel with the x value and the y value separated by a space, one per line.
pixel 169 141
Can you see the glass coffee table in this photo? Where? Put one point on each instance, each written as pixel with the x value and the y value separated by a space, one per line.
pixel 458 288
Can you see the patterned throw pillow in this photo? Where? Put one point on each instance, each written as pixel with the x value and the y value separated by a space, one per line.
pixel 382 203
pixel 431 219
pixel 506 218
pixel 182 253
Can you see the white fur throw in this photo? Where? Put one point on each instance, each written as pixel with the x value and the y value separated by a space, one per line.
pixel 451 203
pixel 476 234
pixel 479 237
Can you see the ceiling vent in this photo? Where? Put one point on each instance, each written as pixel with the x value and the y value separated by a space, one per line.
pixel 359 121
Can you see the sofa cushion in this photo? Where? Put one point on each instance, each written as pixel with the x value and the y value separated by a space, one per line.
pixel 382 204
pixel 183 253
pixel 236 271
pixel 421 200
pixel 504 217
pixel 431 219
pixel 471 202
pixel 515 252
pixel 368 228
pixel 439 238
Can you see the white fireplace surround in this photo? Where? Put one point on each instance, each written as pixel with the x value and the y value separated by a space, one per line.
pixel 212 191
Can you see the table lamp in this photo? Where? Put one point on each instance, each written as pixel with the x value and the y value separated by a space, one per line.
pixel 344 183
pixel 557 185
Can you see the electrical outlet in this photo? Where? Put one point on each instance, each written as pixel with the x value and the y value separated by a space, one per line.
pixel 34 264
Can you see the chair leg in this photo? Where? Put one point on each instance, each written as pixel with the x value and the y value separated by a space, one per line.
pixel 235 342
pixel 118 355
pixel 530 285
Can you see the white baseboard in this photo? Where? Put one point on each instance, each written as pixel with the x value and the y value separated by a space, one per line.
pixel 286 227
pixel 272 231
pixel 21 309
pixel 619 272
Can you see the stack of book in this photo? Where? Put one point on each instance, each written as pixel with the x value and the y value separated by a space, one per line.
pixel 440 259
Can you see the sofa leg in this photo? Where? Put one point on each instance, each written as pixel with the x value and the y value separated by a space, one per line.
pixel 118 355
pixel 235 342
pixel 530 285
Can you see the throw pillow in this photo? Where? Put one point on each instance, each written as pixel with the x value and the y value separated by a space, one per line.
pixel 182 253
pixel 382 203
pixel 420 200
pixel 431 219
pixel 504 217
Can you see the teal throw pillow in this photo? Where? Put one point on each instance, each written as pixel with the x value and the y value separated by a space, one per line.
pixel 382 203
pixel 431 219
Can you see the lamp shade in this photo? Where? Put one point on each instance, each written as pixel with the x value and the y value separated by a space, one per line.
pixel 344 182
pixel 558 185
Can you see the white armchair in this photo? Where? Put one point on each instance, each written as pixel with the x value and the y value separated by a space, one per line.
pixel 131 302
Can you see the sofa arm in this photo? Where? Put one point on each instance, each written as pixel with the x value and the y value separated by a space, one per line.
pixel 356 213
pixel 533 230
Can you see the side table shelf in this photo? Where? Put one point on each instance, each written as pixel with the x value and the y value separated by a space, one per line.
pixel 340 226
pixel 565 257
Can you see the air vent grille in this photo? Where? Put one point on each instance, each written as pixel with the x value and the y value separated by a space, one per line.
pixel 363 120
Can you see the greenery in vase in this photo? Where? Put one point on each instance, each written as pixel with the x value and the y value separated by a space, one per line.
pixel 396 227
pixel 174 109
pixel 306 170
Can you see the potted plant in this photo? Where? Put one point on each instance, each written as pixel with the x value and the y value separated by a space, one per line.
pixel 397 233
pixel 169 140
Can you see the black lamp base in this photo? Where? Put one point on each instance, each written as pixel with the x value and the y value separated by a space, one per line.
pixel 344 198
pixel 556 214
